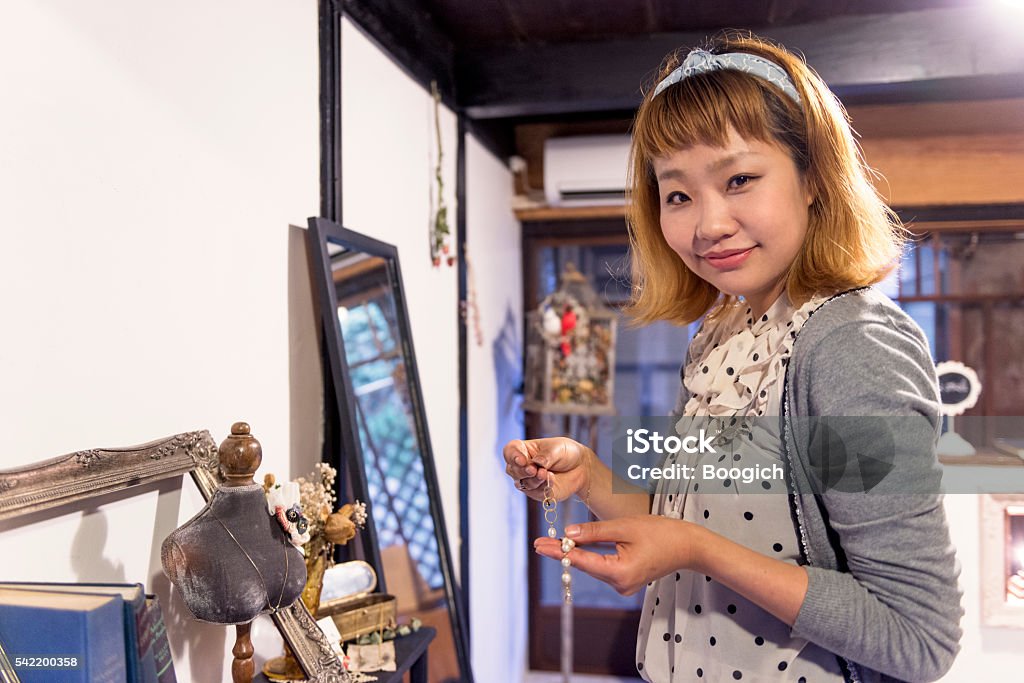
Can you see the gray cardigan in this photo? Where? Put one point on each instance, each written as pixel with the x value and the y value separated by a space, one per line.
pixel 882 571
pixel 882 592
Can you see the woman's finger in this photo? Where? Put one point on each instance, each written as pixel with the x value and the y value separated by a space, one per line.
pixel 601 567
pixel 609 531
pixel 550 452
pixel 517 463
pixel 529 464
pixel 529 484
pixel 515 453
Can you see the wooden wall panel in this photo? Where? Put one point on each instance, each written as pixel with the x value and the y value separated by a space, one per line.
pixel 946 170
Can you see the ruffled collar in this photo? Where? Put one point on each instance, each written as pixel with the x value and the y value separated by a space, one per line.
pixel 737 361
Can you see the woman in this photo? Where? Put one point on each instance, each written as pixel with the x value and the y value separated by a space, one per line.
pixel 751 206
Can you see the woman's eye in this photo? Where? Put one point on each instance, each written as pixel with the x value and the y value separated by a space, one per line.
pixel 676 198
pixel 739 181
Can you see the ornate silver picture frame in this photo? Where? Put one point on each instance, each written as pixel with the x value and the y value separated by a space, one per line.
pixel 95 472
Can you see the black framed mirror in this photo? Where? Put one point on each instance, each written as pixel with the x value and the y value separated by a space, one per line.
pixel 382 432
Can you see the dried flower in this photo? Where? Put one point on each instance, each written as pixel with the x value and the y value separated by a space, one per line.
pixel 359 514
pixel 316 496
pixel 339 528
pixel 317 499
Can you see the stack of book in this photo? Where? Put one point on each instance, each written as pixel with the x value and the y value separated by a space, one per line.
pixel 93 633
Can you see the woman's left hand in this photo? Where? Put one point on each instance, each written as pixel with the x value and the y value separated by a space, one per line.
pixel 647 547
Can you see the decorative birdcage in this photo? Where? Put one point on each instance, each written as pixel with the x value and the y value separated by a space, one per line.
pixel 570 351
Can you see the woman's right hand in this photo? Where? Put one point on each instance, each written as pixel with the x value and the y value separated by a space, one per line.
pixel 530 463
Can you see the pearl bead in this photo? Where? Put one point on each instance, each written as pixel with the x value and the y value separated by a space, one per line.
pixel 566 562
pixel 566 578
pixel 552 533
pixel 567 544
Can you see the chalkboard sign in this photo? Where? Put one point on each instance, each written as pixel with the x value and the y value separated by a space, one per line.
pixel 959 387
pixel 954 388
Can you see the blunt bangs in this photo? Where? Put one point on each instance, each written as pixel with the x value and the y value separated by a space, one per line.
pixel 701 110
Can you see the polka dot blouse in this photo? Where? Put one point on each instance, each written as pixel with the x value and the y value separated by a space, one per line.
pixel 692 628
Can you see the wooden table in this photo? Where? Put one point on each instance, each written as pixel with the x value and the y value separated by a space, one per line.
pixel 411 656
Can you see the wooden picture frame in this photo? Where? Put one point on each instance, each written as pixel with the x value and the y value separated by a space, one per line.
pixel 995 539
pixel 95 472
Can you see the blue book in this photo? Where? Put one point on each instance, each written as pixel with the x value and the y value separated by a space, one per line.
pixel 139 669
pixel 157 648
pixel 48 636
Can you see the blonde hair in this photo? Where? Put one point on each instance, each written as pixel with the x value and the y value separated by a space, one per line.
pixel 853 239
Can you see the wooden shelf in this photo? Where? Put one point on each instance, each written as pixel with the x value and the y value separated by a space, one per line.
pixel 985 457
pixel 570 213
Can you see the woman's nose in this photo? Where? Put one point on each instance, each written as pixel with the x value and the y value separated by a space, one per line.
pixel 715 220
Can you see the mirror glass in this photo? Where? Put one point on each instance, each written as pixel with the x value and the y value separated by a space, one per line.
pixel 384 405
pixel 1015 554
pixel 392 459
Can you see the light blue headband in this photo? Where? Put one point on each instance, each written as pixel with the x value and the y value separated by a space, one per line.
pixel 701 61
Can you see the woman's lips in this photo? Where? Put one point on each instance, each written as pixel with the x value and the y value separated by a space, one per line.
pixel 731 261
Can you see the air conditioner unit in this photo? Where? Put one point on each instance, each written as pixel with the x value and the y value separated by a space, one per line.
pixel 586 170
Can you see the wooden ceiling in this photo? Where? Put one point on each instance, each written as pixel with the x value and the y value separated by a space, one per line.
pixel 487 23
pixel 503 63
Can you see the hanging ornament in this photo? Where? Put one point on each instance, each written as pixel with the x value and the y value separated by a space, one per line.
pixel 568 328
pixel 440 232
pixel 570 354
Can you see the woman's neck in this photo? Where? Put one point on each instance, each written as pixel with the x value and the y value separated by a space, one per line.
pixel 760 305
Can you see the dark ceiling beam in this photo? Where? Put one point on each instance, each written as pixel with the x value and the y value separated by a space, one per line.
pixel 408 32
pixel 939 54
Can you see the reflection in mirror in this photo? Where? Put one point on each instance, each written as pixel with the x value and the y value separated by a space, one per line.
pixel 347 579
pixel 364 290
pixel 1015 554
pixel 391 455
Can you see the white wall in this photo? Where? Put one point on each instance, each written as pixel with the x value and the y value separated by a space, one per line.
pixel 153 157
pixel 388 153
pixel 497 520
pixel 388 156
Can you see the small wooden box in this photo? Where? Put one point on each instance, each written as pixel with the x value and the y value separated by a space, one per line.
pixel 361 614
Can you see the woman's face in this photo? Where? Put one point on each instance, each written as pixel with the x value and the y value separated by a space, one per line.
pixel 736 215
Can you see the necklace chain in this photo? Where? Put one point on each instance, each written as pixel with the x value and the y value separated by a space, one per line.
pixel 550 505
pixel 266 591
